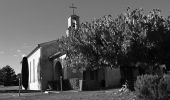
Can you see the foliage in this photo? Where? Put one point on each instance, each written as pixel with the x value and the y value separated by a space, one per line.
pixel 152 87
pixel 74 83
pixel 19 75
pixel 1 77
pixel 8 75
pixel 25 73
pixel 94 45
pixel 130 38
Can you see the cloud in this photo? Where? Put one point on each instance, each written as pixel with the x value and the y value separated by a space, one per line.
pixel 18 51
pixel 19 55
pixel 25 46
pixel 2 52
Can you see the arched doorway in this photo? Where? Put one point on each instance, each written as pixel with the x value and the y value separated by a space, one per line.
pixel 58 70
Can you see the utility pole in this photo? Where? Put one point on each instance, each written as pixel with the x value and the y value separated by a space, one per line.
pixel 61 83
pixel 41 82
pixel 19 86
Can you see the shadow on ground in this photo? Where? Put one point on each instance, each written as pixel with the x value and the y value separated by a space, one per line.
pixel 17 91
pixel 14 89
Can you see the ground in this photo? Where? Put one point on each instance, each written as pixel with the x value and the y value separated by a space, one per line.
pixel 111 94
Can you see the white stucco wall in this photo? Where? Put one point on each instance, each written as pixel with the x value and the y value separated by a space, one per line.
pixel 62 59
pixel 34 69
pixel 112 77
pixel 69 21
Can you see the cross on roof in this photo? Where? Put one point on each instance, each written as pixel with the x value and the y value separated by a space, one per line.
pixel 73 7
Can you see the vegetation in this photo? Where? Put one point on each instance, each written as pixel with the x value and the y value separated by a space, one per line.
pixel 152 87
pixel 69 95
pixel 132 38
pixel 25 73
pixel 8 76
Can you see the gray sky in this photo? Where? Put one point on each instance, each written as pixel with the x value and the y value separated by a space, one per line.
pixel 25 23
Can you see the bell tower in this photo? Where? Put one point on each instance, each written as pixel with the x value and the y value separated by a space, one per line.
pixel 73 21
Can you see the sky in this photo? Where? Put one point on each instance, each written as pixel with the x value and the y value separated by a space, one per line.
pixel 26 23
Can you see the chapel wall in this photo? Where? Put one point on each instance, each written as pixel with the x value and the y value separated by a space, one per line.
pixel 46 64
pixel 112 77
pixel 34 70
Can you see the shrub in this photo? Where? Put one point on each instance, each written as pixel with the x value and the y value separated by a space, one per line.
pixel 74 82
pixel 152 87
pixel 25 72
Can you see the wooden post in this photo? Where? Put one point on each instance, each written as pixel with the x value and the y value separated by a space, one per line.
pixel 19 86
pixel 81 85
pixel 41 83
pixel 61 84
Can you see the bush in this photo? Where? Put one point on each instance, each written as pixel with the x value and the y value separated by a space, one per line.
pixel 25 73
pixel 74 82
pixel 152 87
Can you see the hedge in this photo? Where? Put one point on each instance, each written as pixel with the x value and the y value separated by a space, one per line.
pixel 152 87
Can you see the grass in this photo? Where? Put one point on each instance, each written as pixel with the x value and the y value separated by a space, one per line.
pixel 111 94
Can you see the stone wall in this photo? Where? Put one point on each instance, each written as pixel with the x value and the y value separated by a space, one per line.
pixel 112 77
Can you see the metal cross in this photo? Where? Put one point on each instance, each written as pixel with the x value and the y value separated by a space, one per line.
pixel 73 7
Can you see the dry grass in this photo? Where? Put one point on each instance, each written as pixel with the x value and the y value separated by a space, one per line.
pixel 112 94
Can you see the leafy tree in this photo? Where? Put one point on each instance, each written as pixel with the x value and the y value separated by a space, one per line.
pixel 8 75
pixel 19 75
pixel 149 35
pixel 1 78
pixel 130 39
pixel 25 73
pixel 94 45
pixel 133 39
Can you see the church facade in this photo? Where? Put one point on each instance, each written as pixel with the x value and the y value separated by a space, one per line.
pixel 47 64
pixel 40 67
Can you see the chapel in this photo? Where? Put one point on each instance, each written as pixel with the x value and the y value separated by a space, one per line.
pixel 46 64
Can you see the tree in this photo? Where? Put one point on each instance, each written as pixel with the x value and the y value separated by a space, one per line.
pixel 133 39
pixel 150 35
pixel 1 78
pixel 19 76
pixel 96 44
pixel 127 40
pixel 8 75
pixel 25 73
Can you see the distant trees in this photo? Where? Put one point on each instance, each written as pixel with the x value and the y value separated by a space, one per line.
pixel 1 78
pixel 8 76
pixel 25 72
